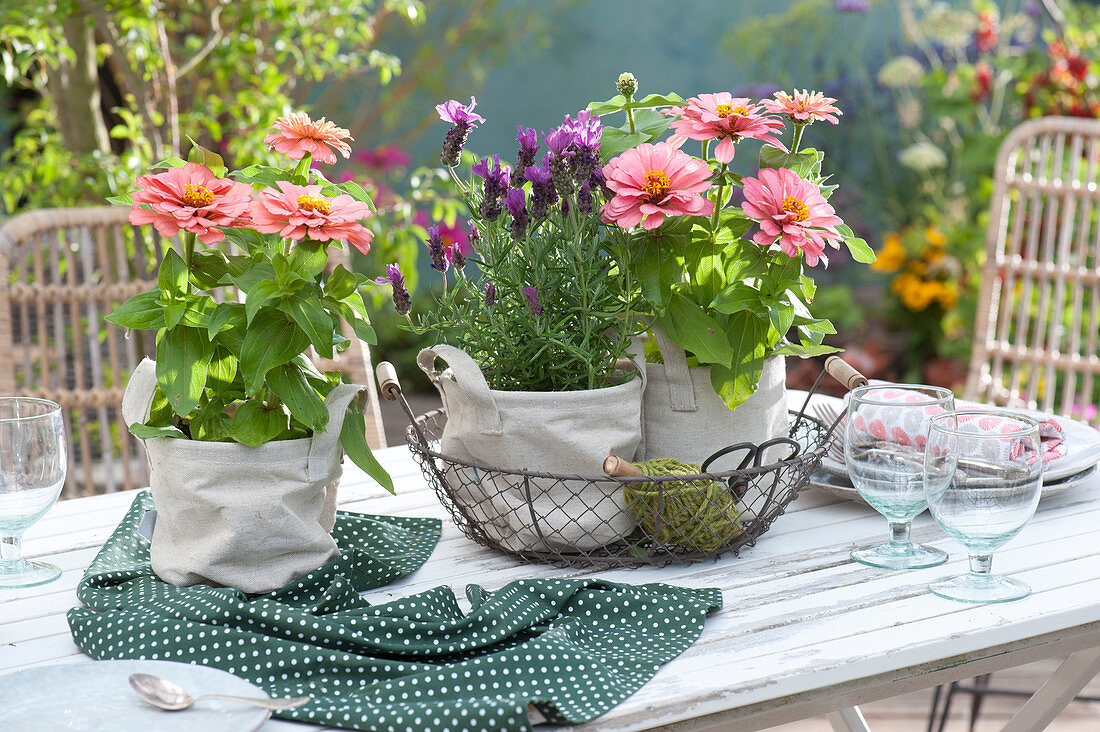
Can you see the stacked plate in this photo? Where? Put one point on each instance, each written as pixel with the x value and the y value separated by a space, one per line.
pixel 1077 466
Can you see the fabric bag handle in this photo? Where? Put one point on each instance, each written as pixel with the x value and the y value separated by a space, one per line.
pixel 681 392
pixel 138 397
pixel 322 443
pixel 470 379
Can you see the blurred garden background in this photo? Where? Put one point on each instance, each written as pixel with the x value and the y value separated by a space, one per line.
pixel 93 92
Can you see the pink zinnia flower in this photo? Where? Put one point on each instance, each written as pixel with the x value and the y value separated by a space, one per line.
pixel 725 118
pixel 297 136
pixel 190 198
pixel 651 182
pixel 793 209
pixel 803 107
pixel 300 212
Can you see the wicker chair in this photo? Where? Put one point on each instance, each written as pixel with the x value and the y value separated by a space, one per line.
pixel 1037 333
pixel 61 271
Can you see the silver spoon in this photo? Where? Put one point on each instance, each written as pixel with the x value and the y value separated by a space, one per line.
pixel 166 695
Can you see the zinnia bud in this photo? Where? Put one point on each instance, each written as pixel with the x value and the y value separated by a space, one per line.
pixel 627 85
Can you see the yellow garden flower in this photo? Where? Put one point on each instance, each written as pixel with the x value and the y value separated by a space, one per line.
pixel 935 237
pixel 933 254
pixel 891 256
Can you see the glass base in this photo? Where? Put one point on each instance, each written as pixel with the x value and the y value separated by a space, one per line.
pixel 980 588
pixel 903 556
pixel 26 573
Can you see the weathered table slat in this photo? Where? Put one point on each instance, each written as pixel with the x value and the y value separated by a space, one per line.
pixel 804 631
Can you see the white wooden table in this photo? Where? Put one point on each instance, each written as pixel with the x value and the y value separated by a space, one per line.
pixel 803 632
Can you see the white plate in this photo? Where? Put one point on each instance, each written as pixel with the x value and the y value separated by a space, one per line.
pixel 1082 442
pixel 842 488
pixel 96 696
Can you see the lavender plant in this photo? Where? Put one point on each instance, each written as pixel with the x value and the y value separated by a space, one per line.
pixel 538 298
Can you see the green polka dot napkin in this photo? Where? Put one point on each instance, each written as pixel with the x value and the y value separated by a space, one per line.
pixel 574 648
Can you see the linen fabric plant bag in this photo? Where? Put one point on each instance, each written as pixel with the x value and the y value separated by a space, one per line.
pixel 564 433
pixel 685 419
pixel 229 515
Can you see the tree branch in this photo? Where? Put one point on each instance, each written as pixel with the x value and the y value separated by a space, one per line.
pixel 173 120
pixel 210 44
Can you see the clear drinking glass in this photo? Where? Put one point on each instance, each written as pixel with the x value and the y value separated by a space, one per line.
pixel 983 477
pixel 32 471
pixel 884 435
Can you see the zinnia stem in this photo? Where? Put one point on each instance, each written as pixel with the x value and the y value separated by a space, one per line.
pixel 188 255
pixel 798 130
pixel 630 119
pixel 718 205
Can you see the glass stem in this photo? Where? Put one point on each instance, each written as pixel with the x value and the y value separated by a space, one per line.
pixel 899 534
pixel 980 565
pixel 11 549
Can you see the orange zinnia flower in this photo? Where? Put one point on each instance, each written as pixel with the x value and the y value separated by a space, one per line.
pixel 297 136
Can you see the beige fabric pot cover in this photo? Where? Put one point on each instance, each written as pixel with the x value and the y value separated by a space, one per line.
pixel 251 518
pixel 569 432
pixel 685 419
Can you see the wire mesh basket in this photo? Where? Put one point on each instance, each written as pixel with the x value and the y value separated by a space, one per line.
pixel 623 518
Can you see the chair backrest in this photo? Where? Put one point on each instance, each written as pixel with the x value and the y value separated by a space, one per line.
pixel 1036 334
pixel 61 271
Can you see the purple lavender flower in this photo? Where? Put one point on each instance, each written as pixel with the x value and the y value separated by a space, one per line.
pixel 402 303
pixel 525 155
pixel 533 304
pixel 587 131
pixel 584 199
pixel 454 112
pixel 543 193
pixel 560 142
pixel 497 178
pixel 463 119
pixel 853 6
pixel 455 255
pixel 599 180
pixel 475 235
pixel 490 294
pixel 516 201
pixel 435 250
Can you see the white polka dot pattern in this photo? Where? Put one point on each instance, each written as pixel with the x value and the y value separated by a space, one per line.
pixel 574 648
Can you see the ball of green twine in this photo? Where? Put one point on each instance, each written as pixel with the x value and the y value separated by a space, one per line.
pixel 700 514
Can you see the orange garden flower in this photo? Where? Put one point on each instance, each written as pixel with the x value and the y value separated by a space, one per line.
pixel 297 135
pixel 191 198
pixel 803 107
pixel 299 212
